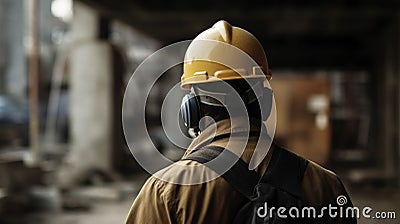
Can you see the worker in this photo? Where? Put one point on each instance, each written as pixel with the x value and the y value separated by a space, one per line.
pixel 220 80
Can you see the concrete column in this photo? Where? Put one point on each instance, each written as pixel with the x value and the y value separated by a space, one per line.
pixel 91 104
pixel 91 86
pixel 14 58
pixel 390 103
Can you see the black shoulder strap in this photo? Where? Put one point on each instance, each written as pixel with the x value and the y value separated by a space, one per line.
pixel 285 171
pixel 282 164
pixel 239 176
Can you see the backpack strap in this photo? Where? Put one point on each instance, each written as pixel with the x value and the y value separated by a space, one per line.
pixel 238 176
pixel 285 171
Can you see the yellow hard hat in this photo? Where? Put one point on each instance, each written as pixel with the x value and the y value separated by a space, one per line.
pixel 223 53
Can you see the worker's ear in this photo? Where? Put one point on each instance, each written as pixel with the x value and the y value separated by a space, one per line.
pixel 266 103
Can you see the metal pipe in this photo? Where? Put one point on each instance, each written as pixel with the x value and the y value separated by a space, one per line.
pixel 33 51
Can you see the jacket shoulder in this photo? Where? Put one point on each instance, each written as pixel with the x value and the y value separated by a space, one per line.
pixel 321 186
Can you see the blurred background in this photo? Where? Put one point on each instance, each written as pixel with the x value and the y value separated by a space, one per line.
pixel 64 65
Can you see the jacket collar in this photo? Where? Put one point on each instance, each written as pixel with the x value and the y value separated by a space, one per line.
pixel 222 130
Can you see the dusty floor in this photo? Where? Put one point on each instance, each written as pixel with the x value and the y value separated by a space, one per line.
pixel 106 204
pixel 101 213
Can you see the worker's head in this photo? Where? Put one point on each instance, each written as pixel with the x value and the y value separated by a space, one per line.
pixel 224 64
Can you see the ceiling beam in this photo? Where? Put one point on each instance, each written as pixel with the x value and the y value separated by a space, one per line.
pixel 299 37
pixel 172 25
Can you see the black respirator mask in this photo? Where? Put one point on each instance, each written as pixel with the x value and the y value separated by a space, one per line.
pixel 191 103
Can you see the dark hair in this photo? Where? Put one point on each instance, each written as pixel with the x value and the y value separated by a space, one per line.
pixel 220 112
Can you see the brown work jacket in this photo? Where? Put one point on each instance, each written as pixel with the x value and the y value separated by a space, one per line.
pixel 160 201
